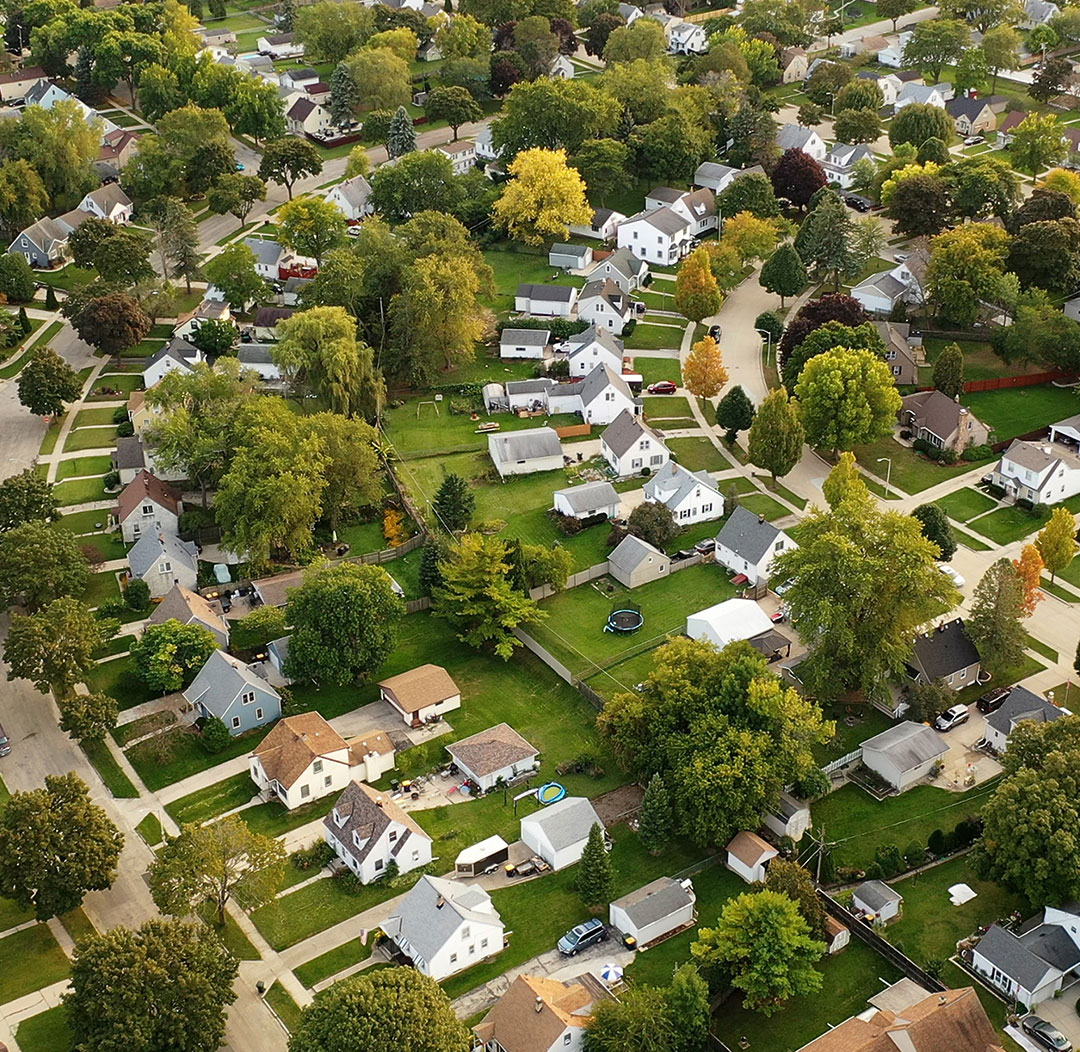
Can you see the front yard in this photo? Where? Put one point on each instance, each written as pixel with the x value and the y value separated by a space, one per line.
pixel 910 472
pixel 1018 410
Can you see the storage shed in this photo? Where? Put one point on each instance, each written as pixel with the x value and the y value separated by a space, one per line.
pixel 877 901
pixel 558 833
pixel 497 754
pixel 790 817
pixel 570 257
pixel 837 935
pixel 635 562
pixel 659 908
pixel 748 855
pixel 904 754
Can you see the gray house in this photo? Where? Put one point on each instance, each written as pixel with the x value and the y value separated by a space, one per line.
pixel 42 243
pixel 162 560
pixel 226 688
pixel 1021 704
pixel 129 458
pixel 946 655
pixel 570 257
pixel 189 608
pixel 635 562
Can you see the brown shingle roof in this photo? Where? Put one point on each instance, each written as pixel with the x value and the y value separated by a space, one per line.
pixel 492 750
pixel 145 486
pixel 367 813
pixel 749 848
pixel 419 688
pixel 289 749
pixel 183 605
pixel 362 745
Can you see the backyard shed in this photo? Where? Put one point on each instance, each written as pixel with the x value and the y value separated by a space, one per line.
pixel 558 833
pixel 728 621
pixel 790 817
pixel 659 908
pixel 837 935
pixel 570 257
pixel 583 502
pixel 635 562
pixel 481 857
pixel 876 900
pixel 524 452
pixel 494 396
pixel 422 693
pixel 748 855
pixel 904 754
pixel 497 754
pixel 523 343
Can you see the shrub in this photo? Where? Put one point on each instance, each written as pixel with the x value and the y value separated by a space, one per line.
pixel 119 415
pixel 560 328
pixel 937 843
pixel 137 595
pixel 125 429
pixel 629 327
pixel 812 784
pixel 393 528
pixel 215 735
pixel 914 855
pixel 967 831
pixel 995 491
pixel 983 452
pixel 111 480
pixel 111 608
pixel 194 519
pixel 314 857
pixel 772 323
pixel 949 456
pixel 889 860
pixel 558 369
pixel 349 882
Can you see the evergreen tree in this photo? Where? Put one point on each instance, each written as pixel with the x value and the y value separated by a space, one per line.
pixel 287 14
pixel 595 879
pixel 344 96
pixel 735 413
pixel 770 321
pixel 655 818
pixel 50 299
pixel 430 575
pixel 994 623
pixel 784 273
pixel 825 239
pixel 937 528
pixel 24 322
pixel 949 371
pixel 776 436
pixel 402 138
pixel 454 503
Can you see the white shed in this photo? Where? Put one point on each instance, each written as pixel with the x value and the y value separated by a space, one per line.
pixel 497 754
pixel 790 817
pixel 728 621
pixel 748 855
pixel 583 502
pixel 660 908
pixel 524 343
pixel 877 901
pixel 904 754
pixel 558 833
pixel 837 935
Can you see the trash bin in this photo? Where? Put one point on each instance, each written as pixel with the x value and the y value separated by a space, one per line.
pixel 629 942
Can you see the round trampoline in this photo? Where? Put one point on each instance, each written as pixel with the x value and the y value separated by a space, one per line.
pixel 550 793
pixel 625 618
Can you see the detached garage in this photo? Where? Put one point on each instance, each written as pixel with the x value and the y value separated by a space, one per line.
pixel 558 833
pixel 728 621
pixel 658 909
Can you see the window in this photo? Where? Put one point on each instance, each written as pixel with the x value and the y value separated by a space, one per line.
pixel 684 514
pixel 148 509
pixel 378 864
pixel 166 566
pixel 635 235
pixel 566 1039
pixel 453 958
pixel 235 722
pixel 135 528
pixel 317 766
pixel 326 781
pixel 393 835
pixel 258 714
pixel 305 792
pixel 705 508
pixel 483 944
pixel 416 856
pixel 472 950
pixel 658 459
pixel 247 697
pixel 465 931
pixel 635 463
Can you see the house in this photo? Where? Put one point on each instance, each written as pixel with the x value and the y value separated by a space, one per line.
pixel 630 12
pixel 496 755
pixel 937 419
pixel 1021 704
pixel 44 243
pixel 524 343
pixel 715 176
pixel 880 293
pixel 177 355
pixel 795 137
pixel 208 310
pixel 259 357
pixel 549 301
pixel 946 655
pixel 302 759
pixel 889 85
pixel 279 46
pixel 308 117
pixel 352 198
pixel 217 37
pixel 659 236
pixel 839 164
pixel 622 267
pixel 697 207
pixel 265 320
pixel 429 52
pixel 47 94
pixel 747 544
pixel 570 257
pixel 728 621
pixel 924 94
pixel 129 458
pixel 593 347
pixel 1008 126
pixel 587 501
pixel 602 226
pixel 162 561
pixel 485 148
pixel 903 352
pixel 227 689
pixel 561 68
pixel 462 155
pixel 117 149
pixel 837 935
pixel 558 832
pixel 421 694
pixel 299 79
pixel 893 55
pixel 1043 472
pixel 108 202
pixel 14 86
pixel 661 908
pixel 525 452
pixel 270 257
pixel 631 447
pixel 538 1014
pixel 444 926
pixel 599 398
pixel 1038 13
pixel 971 116
pixel 793 66
pixel 904 754
pixel 748 856
pixel 141 414
pixel 790 817
pixel 368 831
pixel 876 901
pixel 189 608
pixel 603 303
pixel 691 496
pixel 1037 961
pixel 686 38
pixel 528 394
pixel 634 562
pixel 147 504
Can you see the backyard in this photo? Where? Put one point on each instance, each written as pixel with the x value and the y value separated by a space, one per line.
pixel 1018 410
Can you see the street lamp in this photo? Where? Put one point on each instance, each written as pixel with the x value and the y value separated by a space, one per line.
pixel 768 336
pixel 888 472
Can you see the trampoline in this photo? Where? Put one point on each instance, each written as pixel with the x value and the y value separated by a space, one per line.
pixel 625 618
pixel 550 793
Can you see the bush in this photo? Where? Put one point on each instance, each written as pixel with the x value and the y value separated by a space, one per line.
pixel 137 596
pixel 995 491
pixel 314 857
pixel 349 882
pixel 112 608
pixel 560 328
pixel 629 327
pixel 125 430
pixel 772 323
pixel 194 519
pixel 888 860
pixel 967 832
pixel 983 452
pixel 937 843
pixel 914 855
pixel 215 735
pixel 111 480
pixel 559 370
pixel 119 415
pixel 949 456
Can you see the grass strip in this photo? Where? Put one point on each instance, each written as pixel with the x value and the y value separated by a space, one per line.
pixel 112 774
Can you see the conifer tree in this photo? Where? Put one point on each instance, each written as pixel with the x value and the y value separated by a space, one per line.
pixel 402 137
pixel 595 879
pixel 655 818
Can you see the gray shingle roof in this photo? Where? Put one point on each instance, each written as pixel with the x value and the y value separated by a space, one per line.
pixel 552 293
pixel 152 546
pixel 220 680
pixel 356 191
pixel 566 823
pixel 908 744
pixel 254 354
pixel 1022 704
pixel 599 380
pixel 625 430
pixel 655 901
pixel 631 552
pixel 525 337
pixel 594 334
pixel 875 894
pixel 531 444
pixel 665 219
pixel 1006 952
pixel 178 349
pixel 426 925
pixel 672 483
pixel 266 252
pixel 541 385
pixel 1051 943
pixel 946 650
pixel 793 137
pixel 492 750
pixel 584 500
pixel 747 535
pixel 962 106
pixel 129 453
pixel 577 251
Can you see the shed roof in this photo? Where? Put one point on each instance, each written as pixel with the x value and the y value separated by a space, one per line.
pixel 658 899
pixel 750 849
pixel 589 497
pixel 566 823
pixel 632 551
pixel 876 895
pixel 908 744
pixel 420 687
pixel 489 751
pixel 533 443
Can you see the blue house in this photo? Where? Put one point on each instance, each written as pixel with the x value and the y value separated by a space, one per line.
pixel 226 688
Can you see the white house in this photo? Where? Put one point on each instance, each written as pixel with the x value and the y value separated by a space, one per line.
pixel 352 198
pixel 229 690
pixel 586 501
pixel 147 504
pixel 368 831
pixel 163 560
pixel 444 926
pixel 1038 13
pixel 603 303
pixel 602 396
pixel 108 202
pixel 790 817
pixel 691 496
pixel 687 38
pixel 748 856
pixel 307 117
pixel 630 12
pixel 525 452
pixel 299 79
pixel 698 207
pixel 462 155
pixel 177 355
pixel 624 268
pixel 549 301
pixel 715 176
pixel 747 544
pixel 302 759
pixel 893 55
pixel 188 323
pixel 879 293
pixel 839 165
pixel 602 226
pixel 189 608
pixel 279 46
pixel 925 94
pixel 561 68
pixel 496 755
pixel 629 446
pixel 796 137
pixel 47 94
pixel 270 256
pixel 15 85
pixel 591 348
pixel 660 908
pixel 259 357
pixel 876 901
pixel 728 621
pixel 1021 704
pixel 904 754
pixel 421 694
pixel 660 236
pixel 1044 472
pixel 524 343
pixel 558 832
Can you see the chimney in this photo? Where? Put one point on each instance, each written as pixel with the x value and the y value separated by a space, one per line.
pixel 379 803
pixel 942 1001
pixel 539 1004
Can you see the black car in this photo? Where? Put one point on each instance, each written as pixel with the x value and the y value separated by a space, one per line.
pixel 1045 1034
pixel 860 204
pixel 992 700
pixel 715 332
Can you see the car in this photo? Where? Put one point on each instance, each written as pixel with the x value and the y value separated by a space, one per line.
pixel 952 575
pixel 900 257
pixel 582 936
pixel 663 387
pixel 705 546
pixel 354 231
pixel 715 332
pixel 860 204
pixel 5 745
pixel 953 717
pixel 239 166
pixel 1046 1035
pixel 992 700
pixel 974 140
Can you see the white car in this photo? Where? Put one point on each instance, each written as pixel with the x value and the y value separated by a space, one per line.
pixel 974 140
pixel 951 718
pixel 952 575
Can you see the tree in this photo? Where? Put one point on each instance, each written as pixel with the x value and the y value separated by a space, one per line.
pixel 1046 254
pixel 918 122
pixel 112 323
pixel 994 623
pixel 935 44
pixel 697 294
pixel 454 503
pixel 776 435
pixel 1051 79
pixel 595 880
pixel 1037 143
pixel 655 820
pixel 971 71
pixel 312 226
pixel 331 31
pixel 843 481
pixel 24 498
pixel 124 259
pixel 215 337
pixel 810 114
pixel 55 647
pixel 751 238
pixel 344 620
pixel 600 31
pixel 553 113
pixel 16 279
pixel 392 1010
pixel 981 186
pixel 767 947
pixel 918 205
pixel 752 193
pixel 603 164
pixel 790 879
pixel 454 105
pixel 38 564
pixel 826 81
pixel 215 863
pixel 233 271
pixel 936 527
pixel 967 269
pixel 478 599
pixel 23 198
pixel 643 39
pixel 670 148
pixel 1056 541
pixel 1029 568
pixel 88 717
pixel 1001 50
pixel 55 846
pixel 1041 333
pixel 703 371
pixel 895 9
pixel 859 94
pixel 168 655
pixel 47 382
pixel 855 126
pixel 236 194
pixel 639 1021
pixel 401 138
pixel 178 240
pixel 119 1003
pixel 949 371
pixel 824 239
pixel 735 413
pixel 401 40
pixel 797 177
pixel 653 523
pixel 359 163
pixel 543 199
pixel 425 176
pixel 60 144
pixel 784 273
pixel 288 159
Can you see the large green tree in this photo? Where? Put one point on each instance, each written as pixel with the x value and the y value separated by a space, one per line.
pixel 787 877
pixel 47 383
pixel 112 323
pixel 38 564
pixel 312 226
pixel 454 503
pixel 288 159
pixel 776 436
pixel 825 239
pixel 233 271
pixel 824 338
pixel 595 876
pixel 330 31
pixel 937 528
pixel 948 374
pixel 995 623
pixel 784 273
pixel 168 655
pixel 26 497
pixel 935 44
pixel 88 717
pixel 1056 541
pixel 1037 143
pixel 918 122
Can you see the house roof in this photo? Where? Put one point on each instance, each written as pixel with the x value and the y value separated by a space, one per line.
pixel 664 219
pixel 274 590
pixel 889 287
pixel 794 137
pixel 750 849
pixel 669 195
pixel 533 443
pixel 489 751
pixel 876 895
pixel 833 928
pixel 658 899
pixel 586 498
pixel 1011 120
pixel 701 202
pixel 178 349
pixel 1022 704
pixel 146 487
pixel 279 38
pixel 183 605
pixel 44 233
pixel 129 453
pixel 844 156
pixel 434 909
pixel 152 546
pixel 301 109
pixel 673 483
pixel 713 170
pixel 625 431
pixel 19 76
pixel 917 92
pixel 606 290
pixel 539 385
pixel 748 535
pixel 961 106
pixel 294 744
pixel 367 813
pixel 578 251
pixel 594 334
pixel 525 337
pixel 266 252
pixel 108 197
pixel 354 191
pixel 908 744
pixel 420 687
pixel 268 317
pixel 72 220
pixel 632 551
pixel 1038 456
pixel 254 354
pixel 551 293
pixel 936 412
pixel 378 743
pixel 946 650
pixel 305 73
pixel 625 262
pixel 1006 952
pixel 1051 943
pixel 220 680
pixel 566 823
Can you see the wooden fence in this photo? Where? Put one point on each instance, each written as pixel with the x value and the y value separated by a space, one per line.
pixel 998 382
pixel 573 430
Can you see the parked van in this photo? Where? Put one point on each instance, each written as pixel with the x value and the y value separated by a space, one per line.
pixel 5 745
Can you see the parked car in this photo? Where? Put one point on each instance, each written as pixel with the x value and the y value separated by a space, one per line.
pixel 705 546
pixel 582 936
pixel 5 745
pixel 1045 1034
pixel 992 700
pixel 952 718
pixel 240 166
pixel 952 575
pixel 663 387
pixel 858 202
pixel 900 256
pixel 974 140
pixel 716 332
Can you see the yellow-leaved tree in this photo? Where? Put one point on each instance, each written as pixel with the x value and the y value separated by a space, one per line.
pixel 703 371
pixel 697 294
pixel 543 198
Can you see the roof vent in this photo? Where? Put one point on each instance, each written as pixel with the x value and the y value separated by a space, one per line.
pixel 761 518
pixel 440 902
pixel 1047 450
pixel 539 1006
pixel 942 1000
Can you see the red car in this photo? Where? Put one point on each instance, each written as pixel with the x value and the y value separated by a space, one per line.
pixel 662 387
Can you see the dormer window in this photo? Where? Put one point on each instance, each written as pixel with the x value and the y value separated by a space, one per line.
pixel 392 836
pixel 148 509
pixel 166 566
pixel 247 697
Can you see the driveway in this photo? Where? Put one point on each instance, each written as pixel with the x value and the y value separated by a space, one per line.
pixel 963 760
pixel 1059 1012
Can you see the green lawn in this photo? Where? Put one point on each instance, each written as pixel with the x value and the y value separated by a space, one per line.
pixel 214 800
pixel 980 361
pixel 333 961
pixel 47 1031
pixel 29 960
pixel 362 537
pixel 965 504
pixel 90 438
pixel 1040 647
pixel 114 386
pixel 762 504
pixel 654 338
pixel 697 454
pixel 118 678
pixel 81 491
pixel 667 407
pixel 79 467
pixel 652 370
pixel 274 819
pixel 1071 573
pixel 281 1002
pixel 52 433
pixel 12 915
pixel 1028 667
pixel 513 266
pixel 68 278
pixel 150 830
pixel 1058 591
pixel 104 586
pixel 910 472
pixel 89 417
pixel 186 755
pixel 848 738
pixel 112 774
pixel 1008 524
pixel 1018 410
pixel 236 942
pixel 77 924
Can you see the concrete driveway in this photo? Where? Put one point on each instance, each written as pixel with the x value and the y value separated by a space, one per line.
pixel 963 759
pixel 1061 1012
